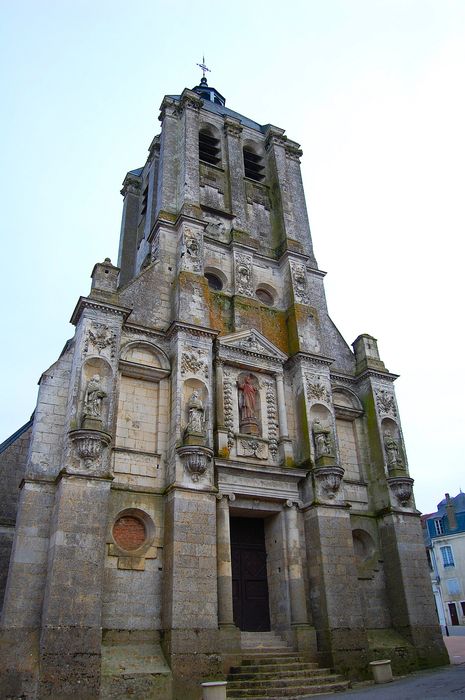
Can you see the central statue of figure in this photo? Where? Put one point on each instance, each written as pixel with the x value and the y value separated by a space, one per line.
pixel 248 419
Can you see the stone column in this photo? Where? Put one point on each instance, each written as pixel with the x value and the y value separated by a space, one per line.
pixel 304 634
pixel 223 543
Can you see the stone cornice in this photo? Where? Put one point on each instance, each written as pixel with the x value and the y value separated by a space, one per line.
pixel 315 359
pixel 86 303
pixel 141 330
pixel 342 378
pixel 131 184
pixel 189 328
pixel 377 374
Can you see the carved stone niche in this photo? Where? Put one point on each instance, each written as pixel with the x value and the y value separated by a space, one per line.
pixel 402 489
pixel 89 446
pixel 328 481
pixel 195 459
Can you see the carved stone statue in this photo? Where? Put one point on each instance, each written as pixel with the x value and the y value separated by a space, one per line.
pixel 321 439
pixel 93 398
pixel 247 393
pixel 196 412
pixel 391 447
pixel 248 422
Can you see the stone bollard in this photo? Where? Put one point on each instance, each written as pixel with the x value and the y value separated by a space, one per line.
pixel 215 690
pixel 382 671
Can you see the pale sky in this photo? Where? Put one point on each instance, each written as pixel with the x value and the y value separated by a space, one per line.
pixel 372 89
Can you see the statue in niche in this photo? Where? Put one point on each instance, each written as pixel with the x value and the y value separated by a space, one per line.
pixel 322 439
pixel 392 449
pixel 248 404
pixel 195 428
pixel 93 398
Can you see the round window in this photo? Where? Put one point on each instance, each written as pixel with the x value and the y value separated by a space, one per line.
pixel 264 296
pixel 129 533
pixel 214 282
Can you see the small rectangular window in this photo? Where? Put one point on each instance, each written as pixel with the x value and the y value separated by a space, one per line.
pixel 447 556
pixel 462 605
pixel 438 527
pixel 453 586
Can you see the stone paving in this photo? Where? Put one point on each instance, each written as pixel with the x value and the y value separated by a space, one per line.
pixel 438 684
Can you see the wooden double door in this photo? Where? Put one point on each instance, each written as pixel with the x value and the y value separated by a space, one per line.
pixel 249 575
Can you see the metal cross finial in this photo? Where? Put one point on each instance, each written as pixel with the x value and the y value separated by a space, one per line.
pixel 203 66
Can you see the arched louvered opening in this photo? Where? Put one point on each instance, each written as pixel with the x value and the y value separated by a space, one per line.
pixel 253 165
pixel 209 148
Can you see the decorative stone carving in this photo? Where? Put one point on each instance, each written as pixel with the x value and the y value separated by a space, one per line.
pixel 250 343
pixel 243 274
pixel 272 422
pixel 253 448
pixel 232 128
pixel 328 480
pixel 299 279
pixel 316 391
pixel 215 226
pixel 322 439
pixel 194 433
pixel 194 362
pixel 196 459
pixel 392 451
pixel 192 250
pixel 93 399
pixel 248 395
pixel 228 408
pixel 385 402
pixel 89 446
pixel 99 337
pixel 402 489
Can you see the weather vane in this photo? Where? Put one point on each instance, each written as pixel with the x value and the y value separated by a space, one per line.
pixel 203 67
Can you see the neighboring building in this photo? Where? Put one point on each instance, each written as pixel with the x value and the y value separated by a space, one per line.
pixel 208 456
pixel 445 541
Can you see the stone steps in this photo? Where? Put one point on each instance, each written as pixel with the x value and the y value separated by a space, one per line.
pixel 270 669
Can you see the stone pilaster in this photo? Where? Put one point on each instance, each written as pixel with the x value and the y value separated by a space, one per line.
pixel 190 609
pixel 337 614
pixel 167 186
pixel 285 444
pixel 408 586
pixel 188 181
pixel 128 240
pixel 304 634
pixel 70 644
pixel 233 130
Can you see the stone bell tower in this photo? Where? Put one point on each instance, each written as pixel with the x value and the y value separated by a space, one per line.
pixel 208 456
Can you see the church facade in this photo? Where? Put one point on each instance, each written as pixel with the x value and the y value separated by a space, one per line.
pixel 208 456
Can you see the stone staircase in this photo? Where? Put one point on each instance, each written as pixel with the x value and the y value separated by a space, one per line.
pixel 270 669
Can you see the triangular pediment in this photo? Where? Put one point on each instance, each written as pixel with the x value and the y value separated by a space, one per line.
pixel 252 341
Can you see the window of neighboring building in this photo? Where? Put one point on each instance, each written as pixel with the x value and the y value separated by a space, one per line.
pixel 253 165
pixel 447 556
pixel 438 527
pixel 453 586
pixel 462 605
pixel 209 148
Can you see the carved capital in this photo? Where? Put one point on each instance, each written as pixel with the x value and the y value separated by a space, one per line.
pixel 232 127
